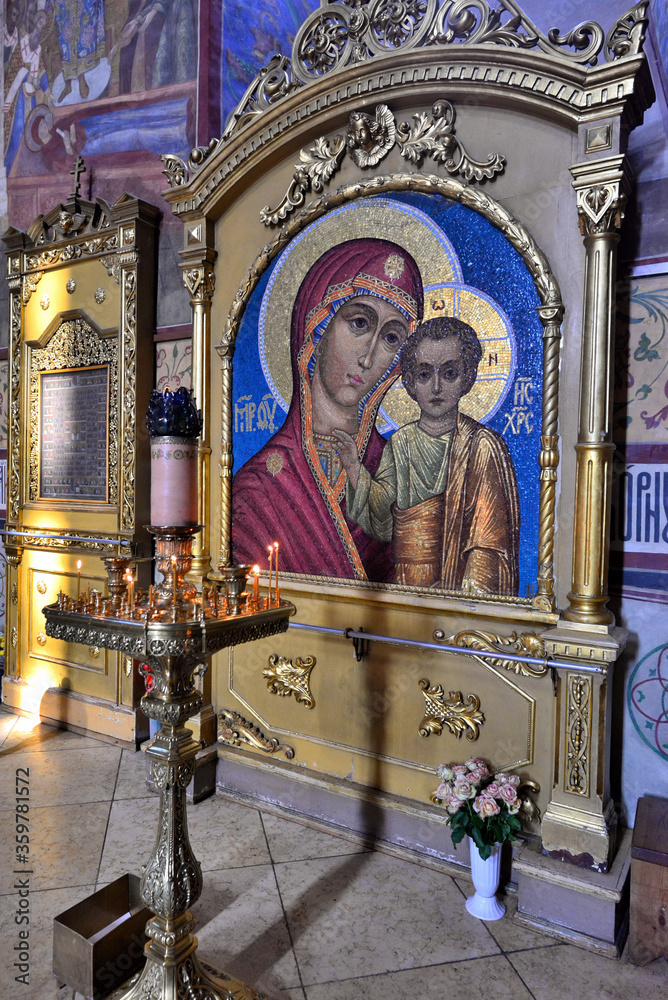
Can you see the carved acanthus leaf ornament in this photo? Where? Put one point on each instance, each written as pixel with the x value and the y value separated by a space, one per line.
pixel 458 715
pixel 370 138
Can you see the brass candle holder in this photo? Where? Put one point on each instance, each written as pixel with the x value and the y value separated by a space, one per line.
pixel 174 631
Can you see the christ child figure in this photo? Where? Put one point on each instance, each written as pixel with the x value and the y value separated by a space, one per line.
pixel 445 492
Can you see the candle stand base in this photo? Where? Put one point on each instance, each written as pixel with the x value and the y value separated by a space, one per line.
pixel 174 647
pixel 174 972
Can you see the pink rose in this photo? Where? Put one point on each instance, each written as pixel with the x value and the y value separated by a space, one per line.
pixel 508 779
pixel 443 791
pixel 486 806
pixel 507 794
pixel 452 804
pixel 444 771
pixel 459 769
pixel 476 762
pixel 477 774
pixel 515 807
pixel 492 789
pixel 463 789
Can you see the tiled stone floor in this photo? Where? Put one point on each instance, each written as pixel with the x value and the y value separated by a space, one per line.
pixel 299 914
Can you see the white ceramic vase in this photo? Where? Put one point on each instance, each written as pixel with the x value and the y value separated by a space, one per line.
pixel 484 904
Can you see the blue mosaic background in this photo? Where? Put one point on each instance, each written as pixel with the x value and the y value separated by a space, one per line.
pixel 489 263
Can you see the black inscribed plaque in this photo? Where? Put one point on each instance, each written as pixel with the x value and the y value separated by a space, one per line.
pixel 74 431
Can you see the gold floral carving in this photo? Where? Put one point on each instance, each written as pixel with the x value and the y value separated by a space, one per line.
pixel 30 283
pixel 112 265
pixel 14 637
pixel 369 139
pixel 15 593
pixel 74 345
pixel 234 730
pixel 41 587
pixel 347 33
pixel 41 638
pixel 458 715
pixel 524 644
pixel 129 333
pixel 94 652
pixel 14 414
pixel 285 677
pixel 550 311
pixel 578 734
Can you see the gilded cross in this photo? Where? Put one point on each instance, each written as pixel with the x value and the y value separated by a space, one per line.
pixel 76 173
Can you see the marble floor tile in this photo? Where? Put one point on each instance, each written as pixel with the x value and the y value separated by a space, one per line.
pixel 65 845
pixel 223 834
pixel 7 723
pixel 241 928
pixel 486 978
pixel 348 917
pixel 131 782
pixel 44 906
pixel 65 776
pixel 508 935
pixel 564 972
pixel 292 841
pixel 31 736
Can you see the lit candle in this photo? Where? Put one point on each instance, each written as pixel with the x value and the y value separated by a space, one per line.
pixel 256 584
pixel 173 561
pixel 131 586
pixel 278 593
pixel 270 550
pixel 78 578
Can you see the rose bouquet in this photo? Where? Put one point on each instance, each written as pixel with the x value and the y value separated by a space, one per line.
pixel 479 803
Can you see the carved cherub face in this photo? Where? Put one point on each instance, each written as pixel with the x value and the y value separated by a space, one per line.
pixel 65 221
pixel 359 133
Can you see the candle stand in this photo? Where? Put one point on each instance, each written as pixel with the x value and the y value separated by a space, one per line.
pixel 175 631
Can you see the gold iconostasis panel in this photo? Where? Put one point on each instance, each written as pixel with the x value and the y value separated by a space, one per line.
pixel 82 305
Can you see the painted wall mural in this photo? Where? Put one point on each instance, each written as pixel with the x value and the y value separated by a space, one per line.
pixel 639 532
pixel 97 79
pixel 407 450
pixel 250 42
pixel 639 524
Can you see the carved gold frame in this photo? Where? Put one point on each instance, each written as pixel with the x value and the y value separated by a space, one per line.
pixel 97 350
pixel 550 312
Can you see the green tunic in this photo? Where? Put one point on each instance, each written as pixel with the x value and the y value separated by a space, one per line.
pixel 413 468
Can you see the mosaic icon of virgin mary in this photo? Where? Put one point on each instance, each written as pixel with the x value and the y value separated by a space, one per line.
pixel 354 310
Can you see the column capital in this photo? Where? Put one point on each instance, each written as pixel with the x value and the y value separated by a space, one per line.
pixel 199 279
pixel 601 187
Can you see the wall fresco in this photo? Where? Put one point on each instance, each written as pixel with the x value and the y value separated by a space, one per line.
pixel 639 522
pixel 95 79
pixel 173 364
pixel 350 500
pixel 250 42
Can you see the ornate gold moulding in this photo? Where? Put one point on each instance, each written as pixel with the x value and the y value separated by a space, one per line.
pixel 172 880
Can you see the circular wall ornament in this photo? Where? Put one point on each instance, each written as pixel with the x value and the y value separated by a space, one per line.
pixel 647 699
pixel 41 639
pixel 94 651
pixel 45 302
pixel 41 587
pixel 70 285
pixel 100 295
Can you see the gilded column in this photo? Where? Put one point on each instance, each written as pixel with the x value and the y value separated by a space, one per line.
pixel 200 280
pixel 600 187
pixel 14 551
pixel 198 276
pixel 579 824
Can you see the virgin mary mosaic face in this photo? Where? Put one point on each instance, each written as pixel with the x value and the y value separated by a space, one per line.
pixel 370 477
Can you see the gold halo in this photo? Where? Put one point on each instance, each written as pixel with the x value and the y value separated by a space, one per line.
pixel 390 220
pixel 496 367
